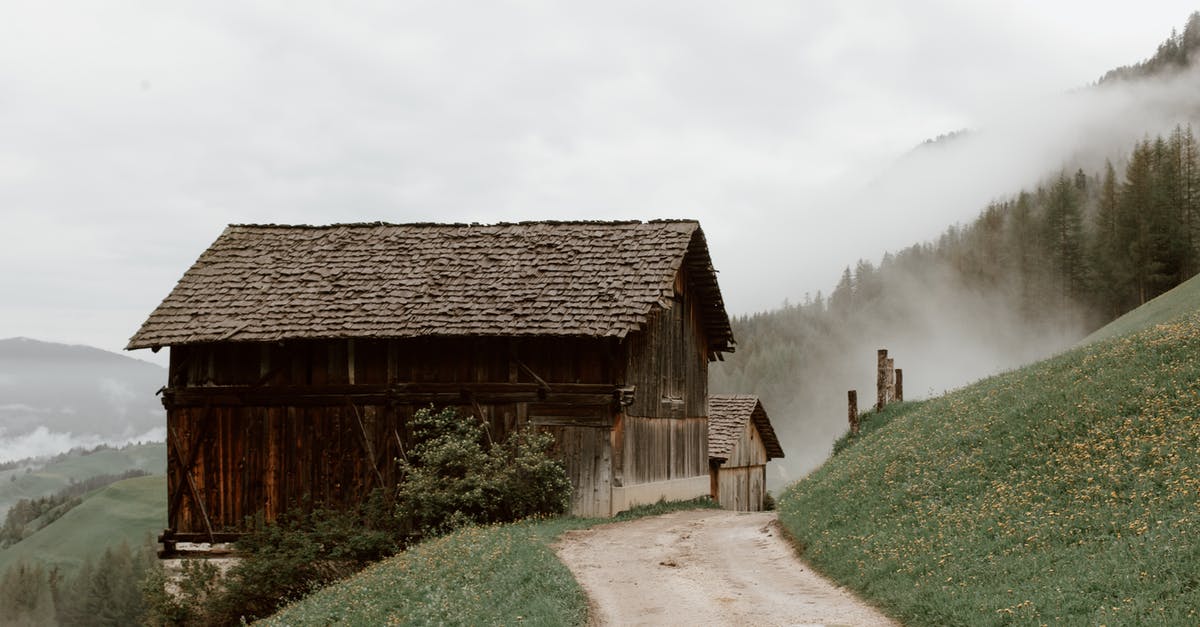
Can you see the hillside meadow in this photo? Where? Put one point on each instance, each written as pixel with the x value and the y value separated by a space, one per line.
pixel 1065 492
pixel 127 511
pixel 43 479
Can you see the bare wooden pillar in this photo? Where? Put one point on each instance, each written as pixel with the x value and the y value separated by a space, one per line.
pixel 881 380
pixel 890 377
pixel 899 384
pixel 852 412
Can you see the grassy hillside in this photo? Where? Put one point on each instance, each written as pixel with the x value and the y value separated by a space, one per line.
pixel 127 510
pixel 1182 299
pixel 19 484
pixel 1064 492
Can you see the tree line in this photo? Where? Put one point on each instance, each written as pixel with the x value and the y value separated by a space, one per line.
pixel 1054 261
pixel 28 515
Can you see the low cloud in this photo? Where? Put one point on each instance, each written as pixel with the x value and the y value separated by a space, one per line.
pixel 41 442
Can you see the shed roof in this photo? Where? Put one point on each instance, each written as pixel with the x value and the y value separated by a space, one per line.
pixel 727 417
pixel 378 280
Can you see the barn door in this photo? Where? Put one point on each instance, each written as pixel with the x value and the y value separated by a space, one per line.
pixel 586 452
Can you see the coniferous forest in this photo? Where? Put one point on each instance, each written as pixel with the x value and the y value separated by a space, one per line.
pixel 1030 275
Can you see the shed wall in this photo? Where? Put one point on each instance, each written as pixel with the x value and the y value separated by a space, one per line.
pixel 663 435
pixel 741 480
pixel 266 427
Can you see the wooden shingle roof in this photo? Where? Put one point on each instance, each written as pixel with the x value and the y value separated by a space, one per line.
pixel 378 280
pixel 727 417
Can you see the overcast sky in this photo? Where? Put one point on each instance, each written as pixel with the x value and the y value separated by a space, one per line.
pixel 132 133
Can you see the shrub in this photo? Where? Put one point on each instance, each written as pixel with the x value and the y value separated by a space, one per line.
pixel 450 479
pixel 301 552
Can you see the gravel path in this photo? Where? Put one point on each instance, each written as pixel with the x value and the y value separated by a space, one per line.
pixel 704 567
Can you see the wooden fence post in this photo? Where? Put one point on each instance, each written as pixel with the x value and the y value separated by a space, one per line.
pixel 881 380
pixel 899 384
pixel 890 377
pixel 852 397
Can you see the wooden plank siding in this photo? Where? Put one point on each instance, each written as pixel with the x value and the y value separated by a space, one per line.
pixel 741 479
pixel 308 446
pixel 307 422
pixel 742 488
pixel 661 449
pixel 664 432
pixel 667 362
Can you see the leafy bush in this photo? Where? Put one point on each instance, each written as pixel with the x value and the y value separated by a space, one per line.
pixel 449 479
pixel 298 553
pixel 185 605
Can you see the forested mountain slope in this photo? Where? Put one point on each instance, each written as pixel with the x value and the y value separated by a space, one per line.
pixel 1031 275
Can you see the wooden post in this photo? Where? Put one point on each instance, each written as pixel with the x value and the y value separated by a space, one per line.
pixel 890 377
pixel 852 397
pixel 899 384
pixel 881 380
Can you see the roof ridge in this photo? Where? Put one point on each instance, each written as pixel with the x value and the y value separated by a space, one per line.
pixel 382 223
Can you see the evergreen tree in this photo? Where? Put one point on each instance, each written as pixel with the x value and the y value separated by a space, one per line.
pixel 1063 235
pixel 25 597
pixel 1106 277
pixel 1133 255
pixel 841 301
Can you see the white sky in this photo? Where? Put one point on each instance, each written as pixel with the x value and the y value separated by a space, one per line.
pixel 131 133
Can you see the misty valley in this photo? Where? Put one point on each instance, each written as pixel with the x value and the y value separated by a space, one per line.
pixel 1039 470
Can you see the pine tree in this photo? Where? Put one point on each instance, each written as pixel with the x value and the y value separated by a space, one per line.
pixel 1189 179
pixel 25 597
pixel 1106 277
pixel 1063 235
pixel 841 301
pixel 1133 254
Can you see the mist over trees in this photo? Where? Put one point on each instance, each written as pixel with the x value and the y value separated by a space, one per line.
pixel 106 590
pixel 1172 55
pixel 1030 275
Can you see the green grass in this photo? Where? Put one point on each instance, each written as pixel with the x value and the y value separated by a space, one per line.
pixel 1067 492
pixel 127 511
pixel 502 574
pixel 17 484
pixel 1180 300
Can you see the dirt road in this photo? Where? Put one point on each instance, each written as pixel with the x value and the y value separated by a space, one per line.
pixel 704 567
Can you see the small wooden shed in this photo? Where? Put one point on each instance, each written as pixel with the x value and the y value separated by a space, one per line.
pixel 740 443
pixel 299 354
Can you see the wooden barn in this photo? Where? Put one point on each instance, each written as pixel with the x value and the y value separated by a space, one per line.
pixel 740 443
pixel 299 354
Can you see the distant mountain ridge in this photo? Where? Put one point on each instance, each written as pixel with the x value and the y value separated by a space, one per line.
pixel 25 348
pixel 54 397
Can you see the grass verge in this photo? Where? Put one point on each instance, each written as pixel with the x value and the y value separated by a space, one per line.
pixel 1065 492
pixel 501 574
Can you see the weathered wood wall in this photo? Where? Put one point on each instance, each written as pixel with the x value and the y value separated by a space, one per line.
pixel 426 360
pixel 668 363
pixel 265 427
pixel 660 449
pixel 741 479
pixel 742 488
pixel 663 434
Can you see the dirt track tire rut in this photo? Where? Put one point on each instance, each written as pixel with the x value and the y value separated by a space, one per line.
pixel 704 567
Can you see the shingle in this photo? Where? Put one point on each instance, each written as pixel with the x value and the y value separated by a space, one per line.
pixel 597 279
pixel 727 417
